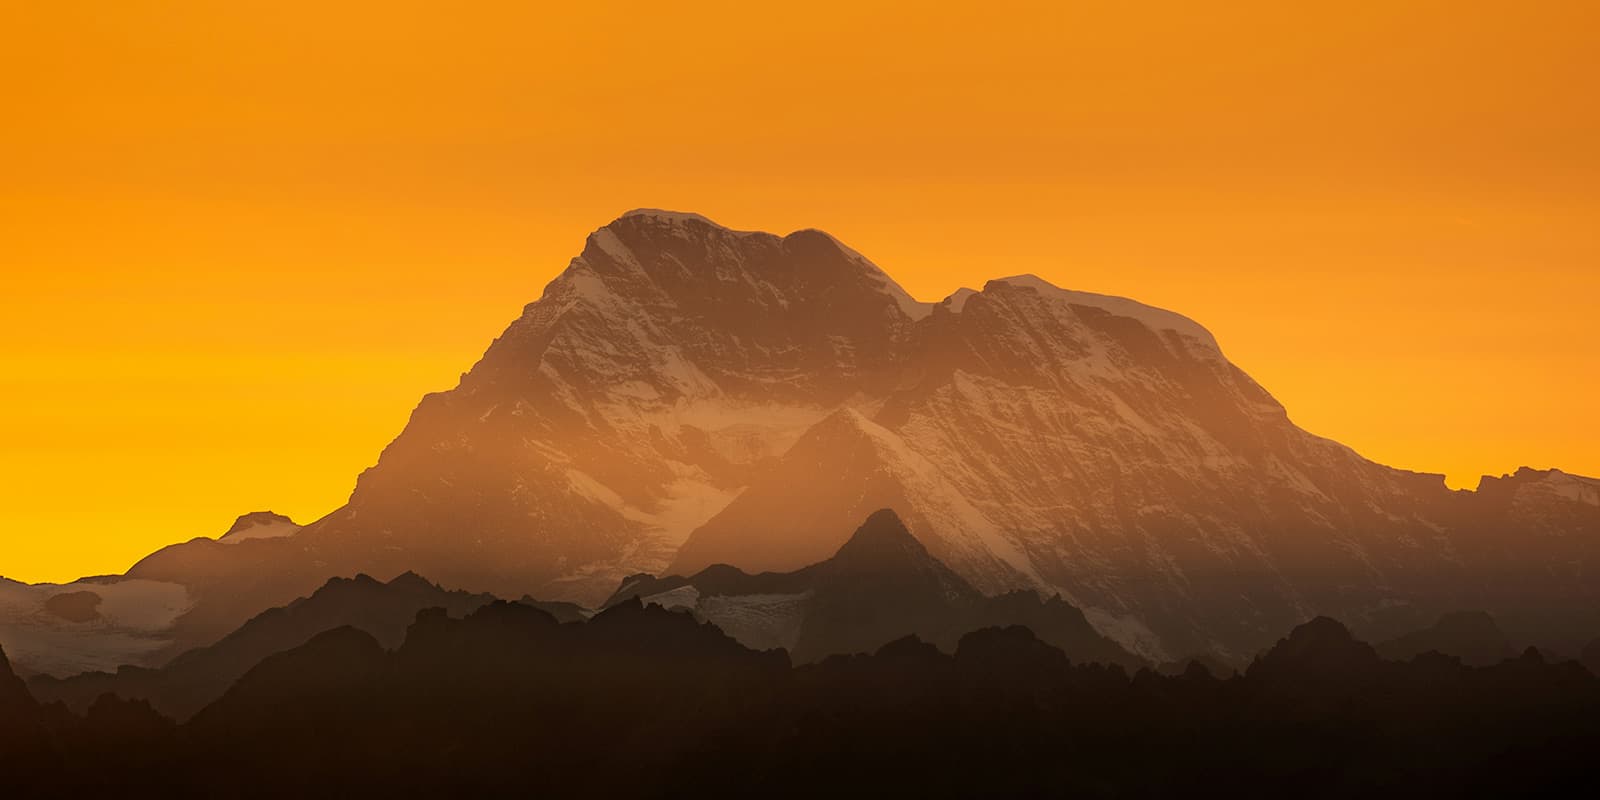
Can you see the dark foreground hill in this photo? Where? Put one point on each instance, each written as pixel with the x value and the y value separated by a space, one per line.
pixel 645 702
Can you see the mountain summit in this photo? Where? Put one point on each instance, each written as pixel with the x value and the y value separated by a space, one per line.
pixel 259 525
pixel 685 395
pixel 881 542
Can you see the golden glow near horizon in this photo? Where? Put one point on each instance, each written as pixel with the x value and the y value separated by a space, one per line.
pixel 240 240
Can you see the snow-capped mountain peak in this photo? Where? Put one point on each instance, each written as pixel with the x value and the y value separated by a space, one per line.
pixel 259 525
pixel 684 395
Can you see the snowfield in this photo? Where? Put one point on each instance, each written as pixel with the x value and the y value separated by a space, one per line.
pixel 133 616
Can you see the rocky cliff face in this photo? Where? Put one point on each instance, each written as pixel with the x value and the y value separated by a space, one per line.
pixel 684 395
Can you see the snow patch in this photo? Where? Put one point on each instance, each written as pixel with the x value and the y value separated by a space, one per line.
pixel 133 617
pixel 950 514
pixel 909 305
pixel 681 597
pixel 689 502
pixel 677 217
pixel 613 247
pixel 758 621
pixel 957 300
pixel 1573 487
pixel 275 529
pixel 1128 631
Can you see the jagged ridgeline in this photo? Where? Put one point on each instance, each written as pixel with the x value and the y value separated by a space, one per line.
pixel 882 585
pixel 642 701
pixel 684 395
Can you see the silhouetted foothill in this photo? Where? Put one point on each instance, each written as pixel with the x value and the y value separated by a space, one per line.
pixel 909 650
pixel 27 755
pixel 1206 662
pixel 1321 649
pixel 1009 654
pixel 643 701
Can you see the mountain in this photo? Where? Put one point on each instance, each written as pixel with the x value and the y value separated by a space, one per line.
pixel 196 678
pixel 685 395
pixel 880 586
pixel 1471 636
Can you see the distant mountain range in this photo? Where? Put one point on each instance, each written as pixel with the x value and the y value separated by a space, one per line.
pixel 195 678
pixel 684 395
pixel 881 586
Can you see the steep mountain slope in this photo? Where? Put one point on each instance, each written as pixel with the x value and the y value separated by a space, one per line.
pixel 685 395
pixel 880 586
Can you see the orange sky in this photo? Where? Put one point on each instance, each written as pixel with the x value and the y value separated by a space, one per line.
pixel 241 239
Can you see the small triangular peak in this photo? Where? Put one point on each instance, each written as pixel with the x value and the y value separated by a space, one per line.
pixel 881 538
